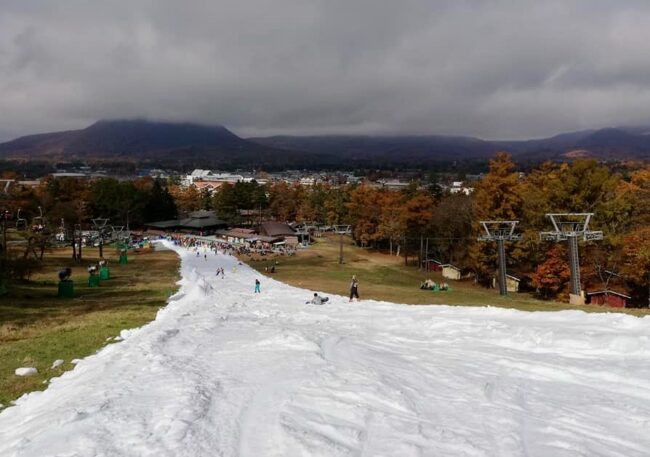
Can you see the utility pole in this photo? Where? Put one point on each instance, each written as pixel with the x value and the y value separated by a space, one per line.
pixel 500 231
pixel 568 227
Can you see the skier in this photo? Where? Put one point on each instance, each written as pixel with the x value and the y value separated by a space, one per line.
pixel 257 287
pixel 354 288
pixel 318 300
pixel 223 273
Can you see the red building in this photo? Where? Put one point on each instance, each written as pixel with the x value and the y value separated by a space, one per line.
pixel 608 298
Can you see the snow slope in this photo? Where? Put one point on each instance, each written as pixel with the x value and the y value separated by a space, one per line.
pixel 224 372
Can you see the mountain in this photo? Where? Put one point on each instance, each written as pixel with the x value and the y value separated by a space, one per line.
pixel 186 145
pixel 607 144
pixel 164 143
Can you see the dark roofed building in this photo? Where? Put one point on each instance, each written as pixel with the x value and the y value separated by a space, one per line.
pixel 197 222
pixel 276 229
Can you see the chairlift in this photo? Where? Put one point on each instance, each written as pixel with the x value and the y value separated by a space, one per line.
pixel 21 222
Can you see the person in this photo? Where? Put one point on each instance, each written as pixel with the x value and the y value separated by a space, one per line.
pixel 318 300
pixel 223 273
pixel 257 287
pixel 354 288
pixel 272 268
pixel 64 275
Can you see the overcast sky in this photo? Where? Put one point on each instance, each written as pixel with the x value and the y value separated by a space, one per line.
pixel 490 68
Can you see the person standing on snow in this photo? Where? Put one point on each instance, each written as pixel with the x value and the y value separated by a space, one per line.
pixel 354 288
pixel 257 287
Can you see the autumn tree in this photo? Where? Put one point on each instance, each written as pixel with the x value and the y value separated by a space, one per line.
pixel 498 196
pixel 636 266
pixel 552 276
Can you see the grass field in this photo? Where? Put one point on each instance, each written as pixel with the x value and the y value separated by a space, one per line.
pixel 384 277
pixel 37 328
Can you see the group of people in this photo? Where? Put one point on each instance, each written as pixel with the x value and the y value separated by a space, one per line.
pixel 354 293
pixel 430 284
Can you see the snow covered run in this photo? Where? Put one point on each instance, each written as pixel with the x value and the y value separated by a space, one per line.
pixel 226 372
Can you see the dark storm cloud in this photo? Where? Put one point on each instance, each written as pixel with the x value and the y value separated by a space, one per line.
pixel 490 68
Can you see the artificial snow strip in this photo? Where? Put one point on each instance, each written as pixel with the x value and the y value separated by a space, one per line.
pixel 223 371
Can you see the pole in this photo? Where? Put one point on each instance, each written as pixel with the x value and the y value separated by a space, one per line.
pixel 574 264
pixel 421 248
pixel 340 247
pixel 503 286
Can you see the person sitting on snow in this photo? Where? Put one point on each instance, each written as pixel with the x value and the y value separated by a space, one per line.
pixel 318 300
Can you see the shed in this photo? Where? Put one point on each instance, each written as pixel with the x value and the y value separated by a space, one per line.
pixel 432 265
pixel 450 271
pixel 512 283
pixel 608 298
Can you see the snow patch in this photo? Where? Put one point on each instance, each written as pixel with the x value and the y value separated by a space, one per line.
pixel 26 371
pixel 57 363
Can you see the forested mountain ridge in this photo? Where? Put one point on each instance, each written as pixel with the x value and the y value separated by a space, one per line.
pixel 186 144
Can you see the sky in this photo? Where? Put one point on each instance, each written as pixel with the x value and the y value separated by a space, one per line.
pixel 495 69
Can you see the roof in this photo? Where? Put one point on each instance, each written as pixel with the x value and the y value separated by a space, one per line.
pixel 196 220
pixel 163 224
pixel 608 292
pixel 450 266
pixel 272 228
pixel 201 222
pixel 238 233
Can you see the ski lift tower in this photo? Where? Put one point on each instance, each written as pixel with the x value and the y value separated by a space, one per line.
pixel 500 231
pixel 569 227
pixel 99 224
pixel 342 230
pixel 21 222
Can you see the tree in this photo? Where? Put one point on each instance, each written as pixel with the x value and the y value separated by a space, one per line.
pixel 552 276
pixel 636 266
pixel 498 196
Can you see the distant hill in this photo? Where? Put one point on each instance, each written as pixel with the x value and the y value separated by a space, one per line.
pixel 164 143
pixel 609 143
pixel 186 145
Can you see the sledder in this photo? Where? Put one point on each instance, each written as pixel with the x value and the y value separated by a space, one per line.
pixel 318 300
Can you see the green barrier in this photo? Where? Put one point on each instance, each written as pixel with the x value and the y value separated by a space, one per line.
pixel 123 259
pixel 93 281
pixel 66 289
pixel 104 273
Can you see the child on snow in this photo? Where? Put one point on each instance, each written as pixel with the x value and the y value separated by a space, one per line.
pixel 257 286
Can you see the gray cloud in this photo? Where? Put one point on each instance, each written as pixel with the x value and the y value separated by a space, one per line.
pixel 494 68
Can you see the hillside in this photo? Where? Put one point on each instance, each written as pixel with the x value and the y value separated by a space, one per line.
pixel 186 145
pixel 610 144
pixel 164 143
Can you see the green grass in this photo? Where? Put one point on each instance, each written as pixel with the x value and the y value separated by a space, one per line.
pixel 37 328
pixel 384 277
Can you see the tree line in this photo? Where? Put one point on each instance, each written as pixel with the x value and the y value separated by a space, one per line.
pixel 418 221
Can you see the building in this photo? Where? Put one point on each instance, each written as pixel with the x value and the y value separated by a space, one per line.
pixel 608 298
pixel 450 271
pixel 512 283
pixel 458 187
pixel 432 265
pixel 197 223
